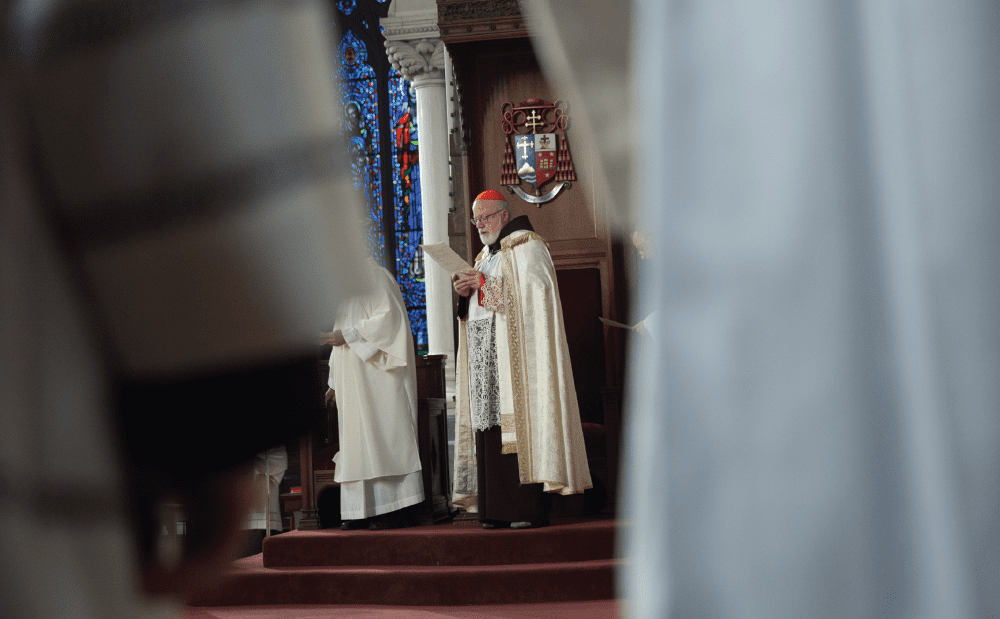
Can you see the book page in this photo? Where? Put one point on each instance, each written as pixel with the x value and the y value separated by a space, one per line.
pixel 444 255
pixel 612 323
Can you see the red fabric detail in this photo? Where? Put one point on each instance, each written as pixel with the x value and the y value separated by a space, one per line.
pixel 490 194
pixel 482 282
pixel 489 197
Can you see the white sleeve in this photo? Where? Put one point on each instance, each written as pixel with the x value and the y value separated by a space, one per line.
pixel 361 347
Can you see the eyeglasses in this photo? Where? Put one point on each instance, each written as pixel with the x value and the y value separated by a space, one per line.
pixel 475 222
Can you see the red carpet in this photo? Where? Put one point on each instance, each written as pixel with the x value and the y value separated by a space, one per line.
pixel 597 609
pixel 442 565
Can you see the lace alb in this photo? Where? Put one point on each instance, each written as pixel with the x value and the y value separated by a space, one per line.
pixel 484 380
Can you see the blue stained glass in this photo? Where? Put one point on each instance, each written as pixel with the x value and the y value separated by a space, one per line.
pixel 360 76
pixel 407 209
pixel 418 324
pixel 360 117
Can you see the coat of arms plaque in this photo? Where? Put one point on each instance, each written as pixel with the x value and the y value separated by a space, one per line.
pixel 536 150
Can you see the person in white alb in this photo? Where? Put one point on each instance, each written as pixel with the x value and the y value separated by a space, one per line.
pixel 263 485
pixel 373 379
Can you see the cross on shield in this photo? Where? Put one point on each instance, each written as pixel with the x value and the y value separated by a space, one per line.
pixel 536 157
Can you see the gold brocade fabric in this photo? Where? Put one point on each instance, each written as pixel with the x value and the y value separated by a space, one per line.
pixel 540 418
pixel 513 424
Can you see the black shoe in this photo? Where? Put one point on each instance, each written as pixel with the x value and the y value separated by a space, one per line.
pixel 529 525
pixel 392 520
pixel 494 524
pixel 353 525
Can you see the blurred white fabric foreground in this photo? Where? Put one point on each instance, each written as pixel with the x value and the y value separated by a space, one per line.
pixel 173 207
pixel 818 436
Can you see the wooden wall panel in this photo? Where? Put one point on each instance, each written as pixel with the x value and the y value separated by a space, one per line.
pixel 490 73
pixel 580 294
pixel 514 78
pixel 494 72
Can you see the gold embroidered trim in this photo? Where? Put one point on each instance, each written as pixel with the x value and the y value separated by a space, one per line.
pixel 507 424
pixel 512 300
pixel 511 242
pixel 465 480
pixel 515 343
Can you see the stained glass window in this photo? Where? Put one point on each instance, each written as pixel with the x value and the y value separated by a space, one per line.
pixel 379 124
pixel 407 207
pixel 359 96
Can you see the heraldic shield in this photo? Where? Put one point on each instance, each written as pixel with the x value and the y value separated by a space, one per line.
pixel 536 151
pixel 536 158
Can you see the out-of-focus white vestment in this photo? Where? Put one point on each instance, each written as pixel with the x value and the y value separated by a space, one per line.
pixel 816 432
pixel 102 279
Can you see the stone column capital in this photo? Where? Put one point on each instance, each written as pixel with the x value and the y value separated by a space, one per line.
pixel 421 58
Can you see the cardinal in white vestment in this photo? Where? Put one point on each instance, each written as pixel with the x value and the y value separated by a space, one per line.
pixel 518 431
pixel 373 377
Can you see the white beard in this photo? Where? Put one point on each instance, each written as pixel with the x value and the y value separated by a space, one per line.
pixel 490 238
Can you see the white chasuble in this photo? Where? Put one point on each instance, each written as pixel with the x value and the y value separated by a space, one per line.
pixel 374 377
pixel 539 413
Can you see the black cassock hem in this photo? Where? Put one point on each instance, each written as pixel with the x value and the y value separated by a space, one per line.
pixel 501 495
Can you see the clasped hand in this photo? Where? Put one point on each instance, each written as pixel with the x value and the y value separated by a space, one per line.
pixel 335 338
pixel 466 282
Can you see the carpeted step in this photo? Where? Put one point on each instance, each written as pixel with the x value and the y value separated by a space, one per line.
pixel 580 540
pixel 431 565
pixel 250 583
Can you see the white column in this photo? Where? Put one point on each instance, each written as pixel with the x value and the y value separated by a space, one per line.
pixel 432 121
pixel 422 63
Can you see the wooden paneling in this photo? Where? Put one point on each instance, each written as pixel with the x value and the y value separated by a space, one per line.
pixel 580 293
pixel 512 75
pixel 477 20
pixel 490 73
